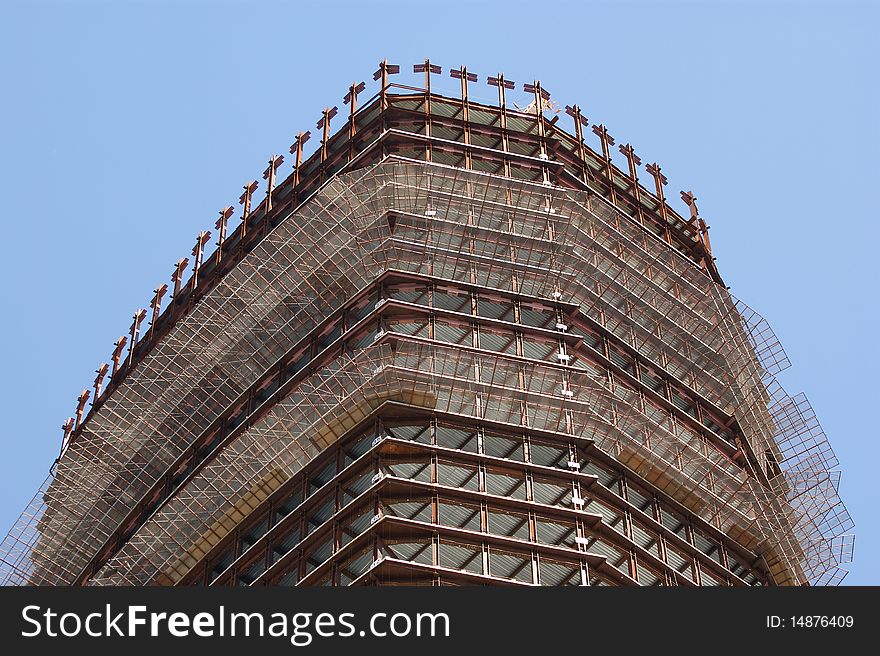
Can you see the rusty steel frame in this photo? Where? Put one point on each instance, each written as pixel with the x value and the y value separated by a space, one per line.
pixel 652 287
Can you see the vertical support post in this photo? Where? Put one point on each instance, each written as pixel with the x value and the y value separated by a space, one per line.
pixel 580 122
pixel 697 222
pixel 535 89
pixel 201 239
pixel 245 201
pixel 385 69
pixel 704 232
pixel 81 406
pixel 351 100
pixel 269 174
pixel 135 332
pixel 607 141
pixel 659 181
pixel 503 85
pixel 698 226
pixel 220 225
pixel 67 427
pixel 99 380
pixel 693 223
pixel 542 98
pixel 296 149
pixel 428 69
pixel 324 125
pixel 691 201
pixel 465 77
pixel 119 345
pixel 383 84
pixel 177 276
pixel 633 162
pixel 156 305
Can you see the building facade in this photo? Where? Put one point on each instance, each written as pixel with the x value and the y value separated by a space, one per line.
pixel 455 345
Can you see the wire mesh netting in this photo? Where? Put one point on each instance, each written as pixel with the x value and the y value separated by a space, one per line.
pixel 450 224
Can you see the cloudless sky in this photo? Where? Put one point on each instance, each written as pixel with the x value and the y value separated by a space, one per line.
pixel 125 126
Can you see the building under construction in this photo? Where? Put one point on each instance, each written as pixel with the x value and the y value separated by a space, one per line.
pixel 452 344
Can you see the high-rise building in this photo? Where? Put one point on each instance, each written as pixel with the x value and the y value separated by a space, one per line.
pixel 456 345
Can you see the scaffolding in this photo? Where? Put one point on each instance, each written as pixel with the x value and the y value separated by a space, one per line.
pixel 180 436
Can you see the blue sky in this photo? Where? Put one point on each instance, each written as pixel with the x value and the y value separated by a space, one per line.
pixel 126 125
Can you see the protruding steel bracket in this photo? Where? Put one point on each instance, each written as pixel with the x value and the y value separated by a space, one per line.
pixel 134 332
pixel 197 251
pixel 324 125
pixel 245 201
pixel 81 406
pixel 177 275
pixel 385 69
pixel 269 174
pixel 119 345
pixel 220 226
pixel 297 149
pixel 99 379
pixel 156 304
